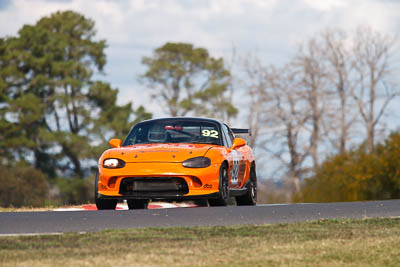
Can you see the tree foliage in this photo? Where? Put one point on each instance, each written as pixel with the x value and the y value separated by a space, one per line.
pixel 51 107
pixel 187 79
pixel 357 175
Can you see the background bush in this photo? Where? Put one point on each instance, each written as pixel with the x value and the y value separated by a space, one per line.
pixel 22 185
pixel 357 175
pixel 25 186
pixel 74 191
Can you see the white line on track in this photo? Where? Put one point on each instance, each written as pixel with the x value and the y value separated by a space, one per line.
pixel 68 209
pixel 29 234
pixel 39 234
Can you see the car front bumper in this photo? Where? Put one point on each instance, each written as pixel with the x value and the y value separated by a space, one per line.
pixel 201 182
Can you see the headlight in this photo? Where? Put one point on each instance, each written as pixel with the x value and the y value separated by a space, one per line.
pixel 199 162
pixel 113 163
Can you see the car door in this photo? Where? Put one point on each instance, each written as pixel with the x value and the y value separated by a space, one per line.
pixel 236 159
pixel 242 160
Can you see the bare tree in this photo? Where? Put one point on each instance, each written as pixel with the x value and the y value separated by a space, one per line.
pixel 291 115
pixel 331 83
pixel 277 117
pixel 339 67
pixel 372 52
pixel 256 85
pixel 312 80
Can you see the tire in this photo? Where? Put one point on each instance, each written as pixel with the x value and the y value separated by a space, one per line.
pixel 223 195
pixel 138 204
pixel 250 198
pixel 103 204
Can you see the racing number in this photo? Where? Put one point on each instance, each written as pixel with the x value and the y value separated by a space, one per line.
pixel 235 167
pixel 212 133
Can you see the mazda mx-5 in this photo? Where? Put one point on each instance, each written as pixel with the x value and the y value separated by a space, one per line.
pixel 176 159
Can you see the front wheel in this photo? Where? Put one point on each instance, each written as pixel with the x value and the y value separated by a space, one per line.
pixel 103 204
pixel 223 195
pixel 138 204
pixel 250 198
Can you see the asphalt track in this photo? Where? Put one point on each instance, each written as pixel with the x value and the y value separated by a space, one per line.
pixel 85 221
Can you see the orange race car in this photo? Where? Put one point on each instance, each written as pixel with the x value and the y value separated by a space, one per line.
pixel 177 159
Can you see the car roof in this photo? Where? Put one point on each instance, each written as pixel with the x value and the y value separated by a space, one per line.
pixel 184 118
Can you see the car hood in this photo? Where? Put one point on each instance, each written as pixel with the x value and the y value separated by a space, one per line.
pixel 159 152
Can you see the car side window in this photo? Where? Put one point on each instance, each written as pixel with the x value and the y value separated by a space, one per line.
pixel 224 138
pixel 231 135
pixel 228 135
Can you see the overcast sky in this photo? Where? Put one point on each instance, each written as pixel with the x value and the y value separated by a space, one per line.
pixel 133 28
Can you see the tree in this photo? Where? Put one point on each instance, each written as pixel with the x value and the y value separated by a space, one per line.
pixel 20 109
pixel 290 115
pixel 187 79
pixel 313 103
pixel 289 106
pixel 113 121
pixel 256 83
pixel 50 99
pixel 373 52
pixel 341 117
pixel 72 57
pixel 311 74
pixel 51 64
pixel 279 113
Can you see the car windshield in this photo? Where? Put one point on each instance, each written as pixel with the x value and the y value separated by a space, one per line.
pixel 174 131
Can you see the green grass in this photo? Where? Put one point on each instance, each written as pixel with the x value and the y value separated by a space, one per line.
pixel 371 242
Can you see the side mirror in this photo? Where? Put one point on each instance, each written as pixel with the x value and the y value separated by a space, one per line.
pixel 238 142
pixel 115 143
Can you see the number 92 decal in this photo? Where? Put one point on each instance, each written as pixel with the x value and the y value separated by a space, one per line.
pixel 209 133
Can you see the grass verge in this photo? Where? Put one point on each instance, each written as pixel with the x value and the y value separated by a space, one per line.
pixel 370 242
pixel 24 209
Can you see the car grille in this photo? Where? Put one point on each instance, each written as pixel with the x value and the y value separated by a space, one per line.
pixel 153 186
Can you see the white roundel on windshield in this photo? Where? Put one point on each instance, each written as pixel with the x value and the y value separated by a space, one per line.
pixel 235 167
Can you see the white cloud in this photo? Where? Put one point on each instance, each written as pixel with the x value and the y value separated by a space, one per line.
pixel 326 5
pixel 21 12
pixel 134 28
pixel 380 15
